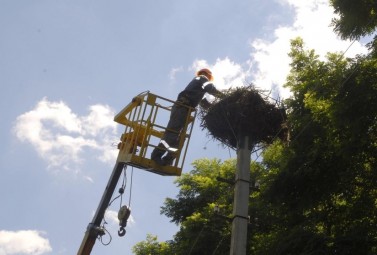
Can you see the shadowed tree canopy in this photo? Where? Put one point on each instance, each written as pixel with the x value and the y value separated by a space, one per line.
pixel 326 183
pixel 356 18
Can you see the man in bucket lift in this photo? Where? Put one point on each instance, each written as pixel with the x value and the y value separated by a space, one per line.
pixel 192 96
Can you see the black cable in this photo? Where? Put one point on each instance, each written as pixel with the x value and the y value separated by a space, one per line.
pixel 110 237
pixel 218 245
pixel 121 191
pixel 132 174
pixel 123 187
pixel 197 238
pixel 230 155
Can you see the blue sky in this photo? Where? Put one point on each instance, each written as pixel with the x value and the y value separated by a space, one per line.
pixel 67 67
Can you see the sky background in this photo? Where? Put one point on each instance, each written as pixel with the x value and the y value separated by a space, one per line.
pixel 67 67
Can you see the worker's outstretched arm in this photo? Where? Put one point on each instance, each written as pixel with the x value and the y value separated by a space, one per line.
pixel 211 89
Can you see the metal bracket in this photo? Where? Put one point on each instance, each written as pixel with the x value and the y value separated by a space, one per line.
pixel 95 230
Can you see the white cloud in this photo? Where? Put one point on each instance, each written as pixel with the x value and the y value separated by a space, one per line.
pixel 174 72
pixel 112 218
pixel 269 63
pixel 88 178
pixel 226 73
pixel 312 23
pixel 61 136
pixel 23 242
pixel 99 120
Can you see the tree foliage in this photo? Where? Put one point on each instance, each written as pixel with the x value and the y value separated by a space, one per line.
pixel 356 18
pixel 327 176
pixel 151 247
pixel 193 208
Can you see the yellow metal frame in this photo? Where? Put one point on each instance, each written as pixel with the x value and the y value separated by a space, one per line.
pixel 140 117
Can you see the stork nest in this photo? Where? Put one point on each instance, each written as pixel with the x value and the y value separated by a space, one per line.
pixel 244 112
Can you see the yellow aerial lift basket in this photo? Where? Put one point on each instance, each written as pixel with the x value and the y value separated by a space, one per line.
pixel 145 119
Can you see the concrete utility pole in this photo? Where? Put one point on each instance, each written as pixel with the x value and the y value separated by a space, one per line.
pixel 241 199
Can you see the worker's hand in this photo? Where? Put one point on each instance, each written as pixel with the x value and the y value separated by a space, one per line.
pixel 205 104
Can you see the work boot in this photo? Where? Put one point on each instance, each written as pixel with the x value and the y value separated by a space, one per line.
pixel 159 161
pixel 168 159
pixel 157 153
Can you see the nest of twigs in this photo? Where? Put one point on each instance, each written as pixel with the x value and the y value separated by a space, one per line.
pixel 244 112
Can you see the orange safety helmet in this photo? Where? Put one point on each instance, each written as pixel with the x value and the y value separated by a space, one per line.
pixel 206 72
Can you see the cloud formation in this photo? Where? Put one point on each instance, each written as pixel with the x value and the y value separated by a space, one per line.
pixel 311 23
pixel 227 73
pixel 23 242
pixel 268 66
pixel 60 136
pixel 111 217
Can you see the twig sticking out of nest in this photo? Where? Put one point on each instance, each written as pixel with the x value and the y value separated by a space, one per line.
pixel 243 112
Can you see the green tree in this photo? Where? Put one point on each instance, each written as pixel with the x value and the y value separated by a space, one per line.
pixel 356 18
pixel 201 231
pixel 151 247
pixel 326 184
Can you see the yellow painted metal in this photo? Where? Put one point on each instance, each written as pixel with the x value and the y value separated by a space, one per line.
pixel 145 120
